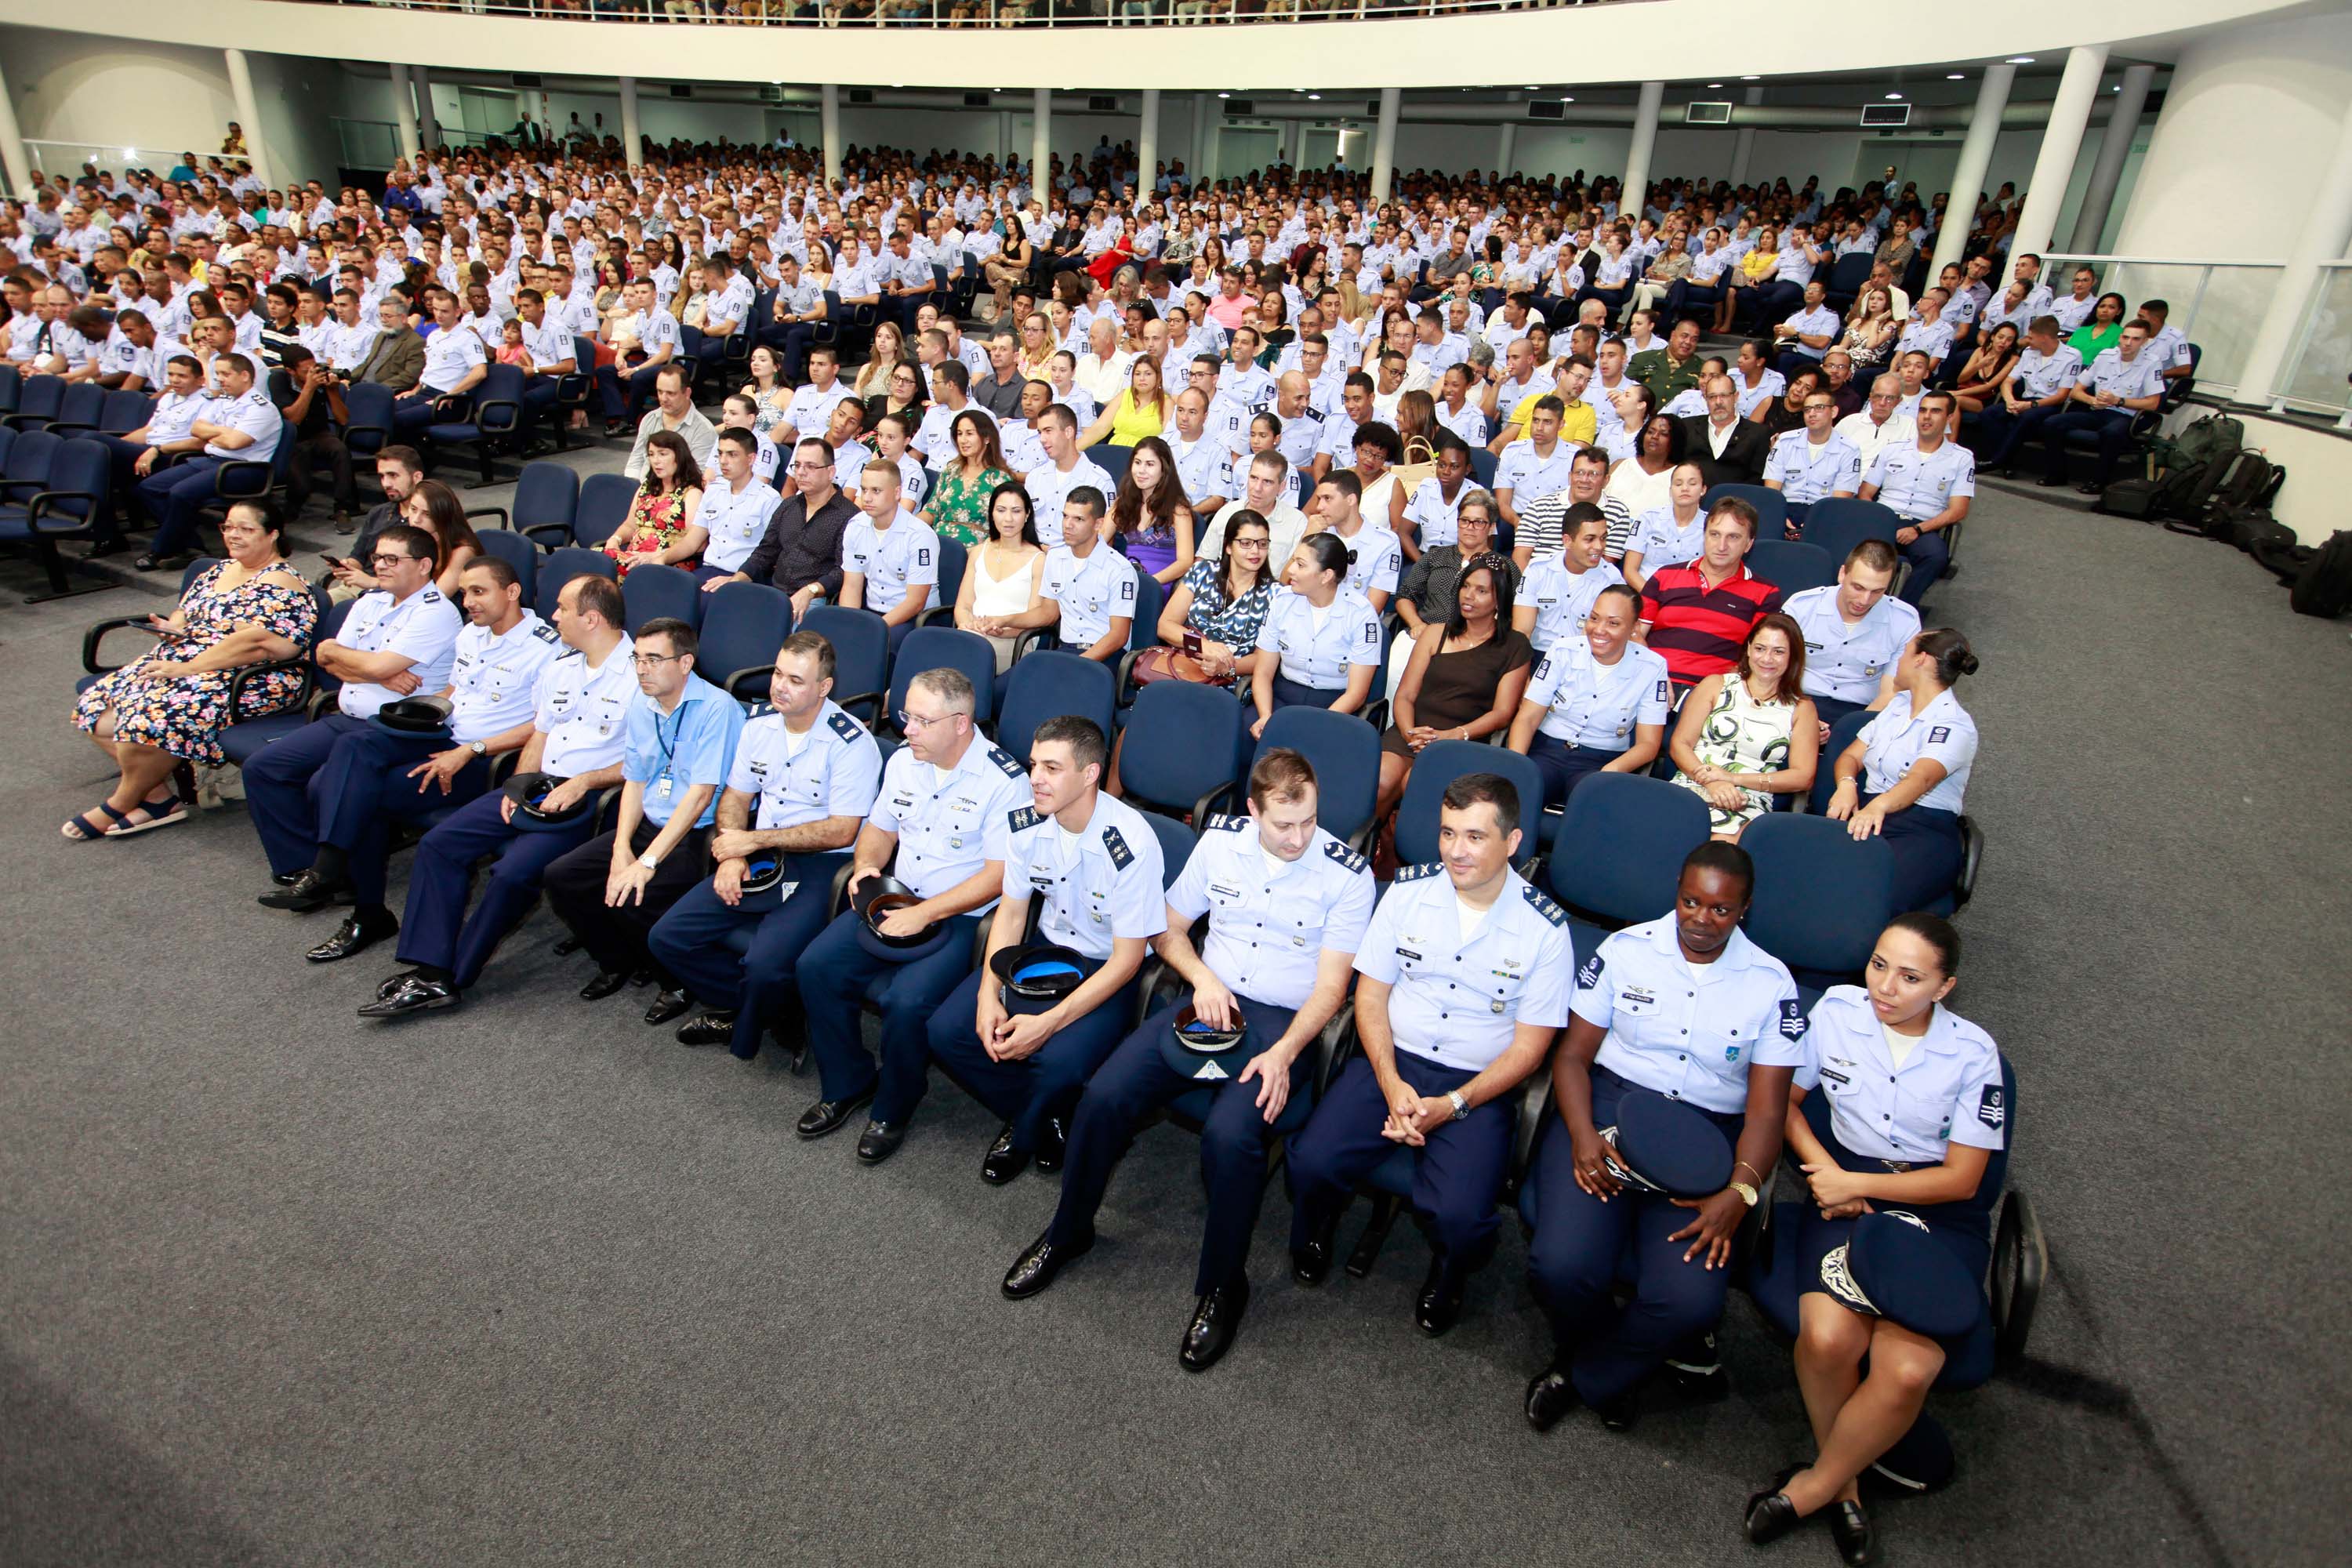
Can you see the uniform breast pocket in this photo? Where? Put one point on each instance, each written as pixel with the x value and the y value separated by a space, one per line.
pixel 1635 1005
pixel 1732 1041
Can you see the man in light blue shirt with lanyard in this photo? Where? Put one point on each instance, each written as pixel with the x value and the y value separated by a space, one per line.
pixel 803 778
pixel 682 743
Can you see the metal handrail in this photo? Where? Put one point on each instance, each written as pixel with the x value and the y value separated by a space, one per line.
pixel 2305 330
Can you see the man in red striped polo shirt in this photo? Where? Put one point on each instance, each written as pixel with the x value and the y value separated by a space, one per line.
pixel 1698 617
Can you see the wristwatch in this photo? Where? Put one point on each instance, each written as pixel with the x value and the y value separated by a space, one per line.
pixel 1461 1106
pixel 1747 1194
pixel 653 863
pixel 480 748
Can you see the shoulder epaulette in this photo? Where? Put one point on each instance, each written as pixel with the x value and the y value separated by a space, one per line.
pixel 546 633
pixel 1006 764
pixel 1416 873
pixel 1220 822
pixel 1121 857
pixel 847 728
pixel 1021 818
pixel 1544 907
pixel 758 711
pixel 1346 857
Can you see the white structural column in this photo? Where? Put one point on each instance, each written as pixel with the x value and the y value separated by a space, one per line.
pixel 1506 143
pixel 1975 157
pixel 2107 172
pixel 828 129
pixel 404 111
pixel 249 115
pixel 2053 167
pixel 2326 231
pixel 1003 135
pixel 1146 144
pixel 632 148
pixel 1041 147
pixel 1384 143
pixel 1205 137
pixel 428 123
pixel 1630 200
pixel 19 167
pixel 1743 141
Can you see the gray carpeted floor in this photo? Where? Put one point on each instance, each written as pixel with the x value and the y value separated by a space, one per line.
pixel 530 1283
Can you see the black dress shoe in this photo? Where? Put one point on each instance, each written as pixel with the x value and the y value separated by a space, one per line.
pixel 644 977
pixel 306 894
pixel 1439 1306
pixel 1770 1514
pixel 666 1006
pixel 1003 1162
pixel 1849 1528
pixel 1618 1415
pixel 605 983
pixel 2050 481
pixel 710 1029
pixel 1310 1261
pixel 2090 490
pixel 565 946
pixel 879 1141
pixel 827 1115
pixel 356 934
pixel 1696 1367
pixel 1053 1144
pixel 286 878
pixel 1216 1319
pixel 1035 1267
pixel 1550 1395
pixel 415 994
pixel 384 991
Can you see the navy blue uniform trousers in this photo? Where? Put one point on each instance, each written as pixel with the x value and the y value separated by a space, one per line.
pixel 285 789
pixel 1044 1083
pixel 742 962
pixel 1582 1247
pixel 1235 1137
pixel 835 972
pixel 363 788
pixel 1456 1175
pixel 436 930
pixel 1564 766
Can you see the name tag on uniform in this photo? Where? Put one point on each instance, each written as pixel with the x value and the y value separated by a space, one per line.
pixel 662 787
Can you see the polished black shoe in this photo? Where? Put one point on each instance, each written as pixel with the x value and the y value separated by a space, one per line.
pixel 1770 1514
pixel 1004 1161
pixel 1216 1319
pixel 2050 481
pixel 710 1029
pixel 384 991
pixel 827 1115
pixel 1697 1369
pixel 1849 1528
pixel 1550 1395
pixel 2090 490
pixel 605 983
pixel 878 1142
pixel 1035 1267
pixel 1310 1261
pixel 288 879
pixel 1439 1306
pixel 308 893
pixel 667 1005
pixel 415 994
pixel 1053 1144
pixel 1619 1414
pixel 356 934
pixel 565 946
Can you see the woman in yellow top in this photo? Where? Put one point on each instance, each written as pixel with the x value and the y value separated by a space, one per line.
pixel 1755 267
pixel 1143 409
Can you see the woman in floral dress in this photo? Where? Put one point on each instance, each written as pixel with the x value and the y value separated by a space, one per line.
pixel 958 509
pixel 660 529
pixel 167 707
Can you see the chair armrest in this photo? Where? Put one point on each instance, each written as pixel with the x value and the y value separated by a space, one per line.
pixel 498 511
pixel 50 500
pixel 873 701
pixel 1034 636
pixel 97 634
pixel 235 480
pixel 61 427
pixel 1526 1124
pixel 244 674
pixel 562 531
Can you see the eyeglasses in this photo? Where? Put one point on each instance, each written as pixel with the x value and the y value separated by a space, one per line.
pixel 913 723
pixel 648 660
pixel 391 560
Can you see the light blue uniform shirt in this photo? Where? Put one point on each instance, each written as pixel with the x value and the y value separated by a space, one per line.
pixel 1101 883
pixel 694 743
pixel 2038 375
pixel 1918 485
pixel 584 712
pixel 1091 592
pixel 423 626
pixel 1847 662
pixel 494 680
pixel 2110 372
pixel 1662 542
pixel 1562 598
pixel 1270 920
pixel 1947 1092
pixel 1689 1031
pixel 1527 475
pixel 1321 657
pixel 1943 733
pixel 1808 473
pixel 836 772
pixel 948 822
pixel 1597 705
pixel 1455 1001
pixel 1380 560
pixel 892 560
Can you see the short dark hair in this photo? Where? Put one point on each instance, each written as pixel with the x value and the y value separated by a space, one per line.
pixel 598 596
pixel 1345 481
pixel 500 572
pixel 406 456
pixel 1716 854
pixel 736 435
pixel 1485 789
pixel 1083 736
pixel 1875 553
pixel 1280 774
pixel 413 541
pixel 1732 506
pixel 1088 497
pixel 816 645
pixel 682 638
pixel 1936 933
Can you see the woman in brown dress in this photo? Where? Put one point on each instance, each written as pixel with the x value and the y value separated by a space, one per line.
pixel 1465 678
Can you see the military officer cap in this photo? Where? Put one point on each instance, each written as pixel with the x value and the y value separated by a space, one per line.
pixel 1038 974
pixel 1199 1049
pixel 877 897
pixel 766 885
pixel 1892 1267
pixel 528 790
pixel 415 716
pixel 1669 1146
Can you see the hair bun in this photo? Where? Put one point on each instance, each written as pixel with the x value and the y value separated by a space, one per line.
pixel 1966 664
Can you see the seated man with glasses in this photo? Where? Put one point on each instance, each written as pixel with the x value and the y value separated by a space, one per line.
pixel 801 552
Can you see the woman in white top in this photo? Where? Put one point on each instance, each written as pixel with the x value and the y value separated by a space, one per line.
pixel 999 577
pixel 1640 484
pixel 1670 536
pixel 1749 734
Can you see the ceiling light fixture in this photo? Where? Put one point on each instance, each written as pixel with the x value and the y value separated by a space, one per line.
pixel 1748 78
pixel 1713 86
pixel 1893 95
pixel 1958 76
pixel 2019 60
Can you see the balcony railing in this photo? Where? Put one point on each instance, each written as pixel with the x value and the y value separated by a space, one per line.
pixel 969 13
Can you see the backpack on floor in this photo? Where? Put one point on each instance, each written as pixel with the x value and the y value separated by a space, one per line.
pixel 2215 436
pixel 2248 484
pixel 2325 586
pixel 2274 547
pixel 2194 464
pixel 2130 498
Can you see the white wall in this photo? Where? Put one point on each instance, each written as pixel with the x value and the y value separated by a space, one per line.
pixel 2249 127
pixel 161 98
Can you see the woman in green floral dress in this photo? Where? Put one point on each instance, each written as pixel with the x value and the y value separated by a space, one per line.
pixel 959 505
